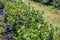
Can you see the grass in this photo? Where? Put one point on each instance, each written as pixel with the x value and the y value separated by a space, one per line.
pixel 51 14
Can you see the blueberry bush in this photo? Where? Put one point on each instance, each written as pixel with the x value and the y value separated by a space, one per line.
pixel 25 23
